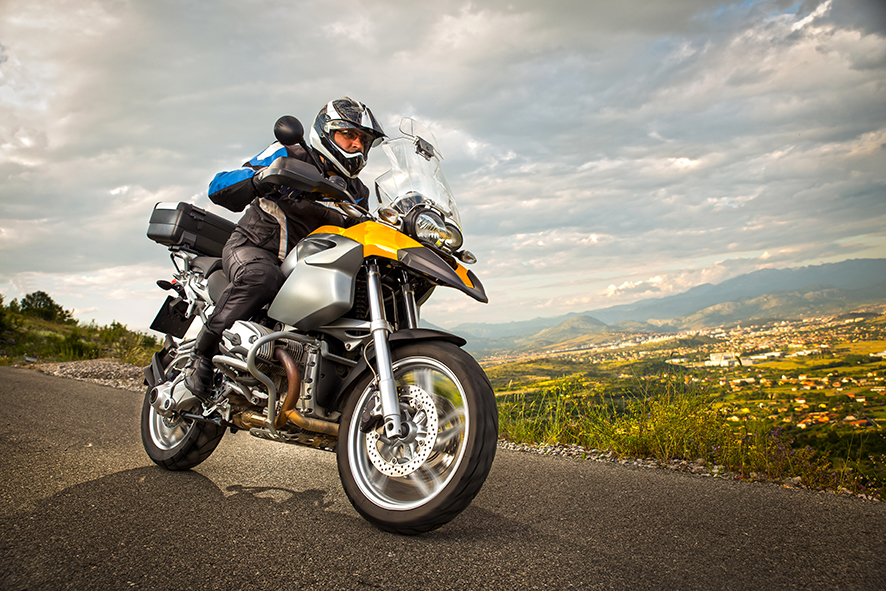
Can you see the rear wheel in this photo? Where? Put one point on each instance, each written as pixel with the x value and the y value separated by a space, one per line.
pixel 175 443
pixel 420 482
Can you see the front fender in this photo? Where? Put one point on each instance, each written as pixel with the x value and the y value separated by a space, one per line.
pixel 395 339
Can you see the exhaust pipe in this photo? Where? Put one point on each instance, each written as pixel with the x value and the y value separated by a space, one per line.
pixel 288 412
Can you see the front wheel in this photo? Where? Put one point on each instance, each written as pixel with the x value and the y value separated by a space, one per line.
pixel 421 481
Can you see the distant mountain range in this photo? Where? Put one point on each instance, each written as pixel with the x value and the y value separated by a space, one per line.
pixel 762 295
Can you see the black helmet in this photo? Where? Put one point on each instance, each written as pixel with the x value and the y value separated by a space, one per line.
pixel 345 113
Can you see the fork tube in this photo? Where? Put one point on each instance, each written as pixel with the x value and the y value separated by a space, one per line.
pixel 411 310
pixel 379 327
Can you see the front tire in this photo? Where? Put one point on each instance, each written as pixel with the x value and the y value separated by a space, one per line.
pixel 421 483
pixel 176 444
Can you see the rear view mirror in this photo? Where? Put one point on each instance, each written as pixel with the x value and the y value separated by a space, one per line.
pixel 289 131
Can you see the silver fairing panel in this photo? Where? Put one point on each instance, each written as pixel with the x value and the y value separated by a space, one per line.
pixel 320 284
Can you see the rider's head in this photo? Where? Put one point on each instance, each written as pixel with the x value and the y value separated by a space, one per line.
pixel 343 132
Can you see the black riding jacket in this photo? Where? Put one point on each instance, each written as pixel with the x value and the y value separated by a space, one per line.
pixel 279 220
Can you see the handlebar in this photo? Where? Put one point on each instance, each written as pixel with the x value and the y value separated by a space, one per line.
pixel 302 176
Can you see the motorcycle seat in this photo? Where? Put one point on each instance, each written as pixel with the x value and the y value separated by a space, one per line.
pixel 216 281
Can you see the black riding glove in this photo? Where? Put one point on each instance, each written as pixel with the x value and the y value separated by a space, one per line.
pixel 262 189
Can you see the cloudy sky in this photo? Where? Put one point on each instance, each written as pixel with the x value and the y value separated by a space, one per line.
pixel 601 152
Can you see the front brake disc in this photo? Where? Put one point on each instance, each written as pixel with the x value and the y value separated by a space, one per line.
pixel 403 456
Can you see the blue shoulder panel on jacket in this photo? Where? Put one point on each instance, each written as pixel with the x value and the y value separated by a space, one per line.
pixel 223 180
pixel 271 153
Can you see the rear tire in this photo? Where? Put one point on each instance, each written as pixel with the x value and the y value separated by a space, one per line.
pixel 176 444
pixel 419 485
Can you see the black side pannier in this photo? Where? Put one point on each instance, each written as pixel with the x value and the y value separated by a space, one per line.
pixel 189 227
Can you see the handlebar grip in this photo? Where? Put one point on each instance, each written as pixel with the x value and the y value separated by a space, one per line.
pixel 262 187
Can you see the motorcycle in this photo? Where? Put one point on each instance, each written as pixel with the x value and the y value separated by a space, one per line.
pixel 337 361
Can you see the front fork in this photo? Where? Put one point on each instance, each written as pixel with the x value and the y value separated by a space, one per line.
pixel 387 387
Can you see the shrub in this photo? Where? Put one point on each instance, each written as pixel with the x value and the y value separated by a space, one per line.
pixel 40 328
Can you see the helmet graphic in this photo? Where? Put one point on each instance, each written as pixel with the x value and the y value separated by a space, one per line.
pixel 341 114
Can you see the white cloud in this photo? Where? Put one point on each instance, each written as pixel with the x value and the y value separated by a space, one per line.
pixel 820 10
pixel 646 146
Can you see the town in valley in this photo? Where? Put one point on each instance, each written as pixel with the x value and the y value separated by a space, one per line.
pixel 823 379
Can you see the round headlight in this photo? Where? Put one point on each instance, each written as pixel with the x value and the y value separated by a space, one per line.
pixel 429 228
pixel 454 239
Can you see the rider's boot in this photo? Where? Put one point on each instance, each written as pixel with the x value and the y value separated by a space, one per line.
pixel 199 371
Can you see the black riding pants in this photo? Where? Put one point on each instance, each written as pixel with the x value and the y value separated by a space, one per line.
pixel 254 277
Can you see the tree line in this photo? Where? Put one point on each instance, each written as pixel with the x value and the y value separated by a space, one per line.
pixel 38 304
pixel 37 327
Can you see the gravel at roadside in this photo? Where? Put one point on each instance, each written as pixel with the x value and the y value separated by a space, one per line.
pixel 107 372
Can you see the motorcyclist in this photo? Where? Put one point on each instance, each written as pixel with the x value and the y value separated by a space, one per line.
pixel 276 220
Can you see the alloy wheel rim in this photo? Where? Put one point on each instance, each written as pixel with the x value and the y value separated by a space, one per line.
pixel 422 381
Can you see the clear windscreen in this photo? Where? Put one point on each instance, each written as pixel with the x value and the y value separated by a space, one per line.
pixel 415 176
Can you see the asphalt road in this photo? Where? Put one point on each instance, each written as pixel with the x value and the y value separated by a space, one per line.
pixel 82 507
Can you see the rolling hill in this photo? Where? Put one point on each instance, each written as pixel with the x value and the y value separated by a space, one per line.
pixel 767 294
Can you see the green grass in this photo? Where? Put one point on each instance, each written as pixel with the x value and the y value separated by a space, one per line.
pixel 25 335
pixel 667 417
